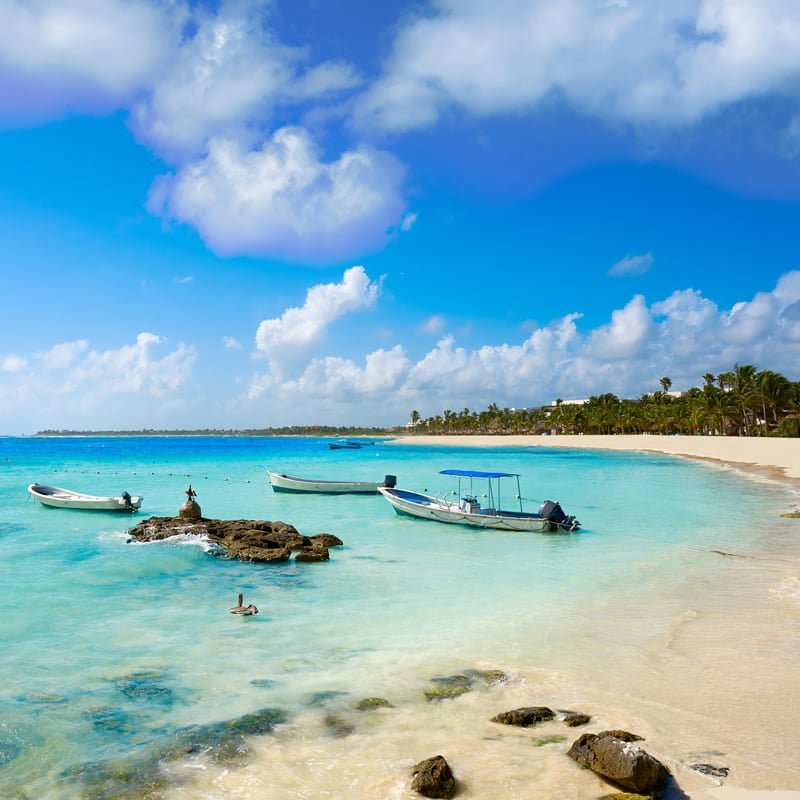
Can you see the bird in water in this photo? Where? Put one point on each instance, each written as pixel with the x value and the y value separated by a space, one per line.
pixel 243 610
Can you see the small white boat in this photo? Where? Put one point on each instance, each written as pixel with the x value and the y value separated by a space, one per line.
pixel 66 498
pixel 468 510
pixel 291 483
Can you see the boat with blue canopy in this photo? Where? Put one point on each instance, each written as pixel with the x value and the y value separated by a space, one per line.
pixel 468 509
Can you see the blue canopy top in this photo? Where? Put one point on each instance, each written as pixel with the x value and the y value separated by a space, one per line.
pixel 472 473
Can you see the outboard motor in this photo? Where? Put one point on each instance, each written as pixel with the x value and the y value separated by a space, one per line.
pixel 126 498
pixel 390 481
pixel 553 512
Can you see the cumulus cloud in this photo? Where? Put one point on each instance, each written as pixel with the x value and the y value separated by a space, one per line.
pixel 684 336
pixel 230 343
pixel 132 368
pixel 226 79
pixel 13 363
pixel 636 62
pixel 299 329
pixel 60 356
pixel 283 199
pixel 72 380
pixel 84 55
pixel 632 265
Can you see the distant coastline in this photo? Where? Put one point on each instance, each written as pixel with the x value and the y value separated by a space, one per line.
pixel 293 430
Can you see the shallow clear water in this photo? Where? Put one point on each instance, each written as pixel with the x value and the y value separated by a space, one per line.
pixel 110 647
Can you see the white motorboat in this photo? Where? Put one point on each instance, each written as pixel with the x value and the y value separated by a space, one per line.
pixel 290 483
pixel 66 498
pixel 469 511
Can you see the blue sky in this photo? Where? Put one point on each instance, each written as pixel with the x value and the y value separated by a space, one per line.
pixel 252 214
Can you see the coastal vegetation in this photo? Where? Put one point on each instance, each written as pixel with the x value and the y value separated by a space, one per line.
pixel 741 402
pixel 287 430
pixel 744 401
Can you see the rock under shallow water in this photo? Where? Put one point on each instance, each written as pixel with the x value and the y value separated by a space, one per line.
pixel 244 539
pixel 525 717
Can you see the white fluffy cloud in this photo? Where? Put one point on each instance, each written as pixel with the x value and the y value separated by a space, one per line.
pixel 683 336
pixel 81 54
pixel 71 380
pixel 298 330
pixel 283 199
pixel 13 363
pixel 226 79
pixel 642 62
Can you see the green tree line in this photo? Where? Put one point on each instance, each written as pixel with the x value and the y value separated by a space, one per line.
pixel 741 402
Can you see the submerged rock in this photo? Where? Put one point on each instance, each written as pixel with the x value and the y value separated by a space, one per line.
pixel 573 719
pixel 711 769
pixel 444 688
pixel 434 778
pixel 371 703
pixel 244 539
pixel 613 755
pixel 525 717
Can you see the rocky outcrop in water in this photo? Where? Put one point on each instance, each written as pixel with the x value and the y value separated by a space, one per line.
pixel 244 539
pixel 613 755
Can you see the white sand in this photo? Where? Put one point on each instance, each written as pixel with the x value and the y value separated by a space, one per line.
pixel 778 457
pixel 756 639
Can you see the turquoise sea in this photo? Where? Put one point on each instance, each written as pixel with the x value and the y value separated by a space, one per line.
pixel 648 618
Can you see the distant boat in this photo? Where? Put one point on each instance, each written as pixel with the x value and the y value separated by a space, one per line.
pixel 468 510
pixel 290 483
pixel 66 498
pixel 345 445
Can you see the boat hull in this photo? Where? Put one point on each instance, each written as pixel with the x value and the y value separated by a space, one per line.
pixel 289 483
pixel 56 497
pixel 432 508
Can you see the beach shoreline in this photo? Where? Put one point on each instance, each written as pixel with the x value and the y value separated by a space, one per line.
pixel 773 458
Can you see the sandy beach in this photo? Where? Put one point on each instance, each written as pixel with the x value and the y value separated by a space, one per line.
pixel 775 458
pixel 735 628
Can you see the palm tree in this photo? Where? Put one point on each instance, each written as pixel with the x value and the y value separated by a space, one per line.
pixel 665 383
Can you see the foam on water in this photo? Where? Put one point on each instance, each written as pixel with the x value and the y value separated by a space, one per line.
pixel 112 647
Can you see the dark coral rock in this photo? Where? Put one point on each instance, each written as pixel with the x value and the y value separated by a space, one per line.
pixel 146 685
pixel 311 554
pixel 447 687
pixel 221 741
pixel 574 718
pixel 244 539
pixel 325 540
pixel 118 780
pixel 525 717
pixel 371 703
pixel 711 769
pixel 434 778
pixel 337 726
pixel 619 760
pixel 489 677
